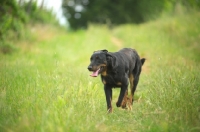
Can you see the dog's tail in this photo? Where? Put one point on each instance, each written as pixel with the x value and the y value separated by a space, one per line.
pixel 142 60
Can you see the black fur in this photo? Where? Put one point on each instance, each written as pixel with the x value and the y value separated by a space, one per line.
pixel 117 69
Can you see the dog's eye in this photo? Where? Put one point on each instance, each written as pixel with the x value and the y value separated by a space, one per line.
pixel 97 57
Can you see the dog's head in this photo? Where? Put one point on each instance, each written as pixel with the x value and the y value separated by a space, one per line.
pixel 99 62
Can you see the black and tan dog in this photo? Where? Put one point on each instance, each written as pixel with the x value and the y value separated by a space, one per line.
pixel 116 69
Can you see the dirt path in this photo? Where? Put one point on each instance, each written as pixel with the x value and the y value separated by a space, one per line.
pixel 117 42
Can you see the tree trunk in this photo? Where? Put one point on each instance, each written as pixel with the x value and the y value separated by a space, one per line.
pixel 42 5
pixel 29 6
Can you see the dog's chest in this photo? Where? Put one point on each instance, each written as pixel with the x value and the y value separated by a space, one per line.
pixel 112 79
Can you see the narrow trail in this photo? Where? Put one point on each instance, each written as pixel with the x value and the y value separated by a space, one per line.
pixel 117 42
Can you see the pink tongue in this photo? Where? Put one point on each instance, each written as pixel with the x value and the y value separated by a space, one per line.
pixel 95 74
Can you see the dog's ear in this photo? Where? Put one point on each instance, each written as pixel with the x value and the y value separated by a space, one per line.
pixel 105 51
pixel 111 60
pixel 95 52
pixel 99 51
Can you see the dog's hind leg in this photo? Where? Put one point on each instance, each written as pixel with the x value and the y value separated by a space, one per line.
pixel 135 82
pixel 134 78
pixel 121 95
pixel 131 80
pixel 124 102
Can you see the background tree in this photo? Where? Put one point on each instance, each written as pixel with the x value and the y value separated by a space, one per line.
pixel 80 12
pixel 15 15
pixel 10 16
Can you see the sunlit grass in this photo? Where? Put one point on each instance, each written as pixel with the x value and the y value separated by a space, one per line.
pixel 45 86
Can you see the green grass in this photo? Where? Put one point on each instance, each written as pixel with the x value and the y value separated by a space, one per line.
pixel 45 85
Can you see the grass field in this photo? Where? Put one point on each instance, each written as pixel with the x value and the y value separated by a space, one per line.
pixel 45 85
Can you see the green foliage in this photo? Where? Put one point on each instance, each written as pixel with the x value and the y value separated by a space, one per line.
pixel 10 17
pixel 46 86
pixel 81 12
pixel 38 15
pixel 110 12
pixel 14 17
pixel 6 48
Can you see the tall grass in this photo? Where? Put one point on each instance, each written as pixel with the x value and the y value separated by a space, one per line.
pixel 45 86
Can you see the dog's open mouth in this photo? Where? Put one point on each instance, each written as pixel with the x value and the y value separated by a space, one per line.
pixel 97 72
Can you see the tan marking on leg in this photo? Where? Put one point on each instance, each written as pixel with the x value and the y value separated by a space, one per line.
pixel 110 110
pixel 129 104
pixel 131 79
pixel 124 102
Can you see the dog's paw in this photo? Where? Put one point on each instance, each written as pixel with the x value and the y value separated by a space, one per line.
pixel 109 110
pixel 124 106
pixel 118 104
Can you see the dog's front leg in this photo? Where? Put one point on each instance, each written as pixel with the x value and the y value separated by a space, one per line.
pixel 121 95
pixel 108 93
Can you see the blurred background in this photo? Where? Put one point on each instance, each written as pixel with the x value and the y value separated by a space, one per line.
pixel 115 12
pixel 77 14
pixel 16 15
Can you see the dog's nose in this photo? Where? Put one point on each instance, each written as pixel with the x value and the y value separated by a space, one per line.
pixel 90 68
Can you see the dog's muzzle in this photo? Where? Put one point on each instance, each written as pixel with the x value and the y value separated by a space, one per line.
pixel 90 68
